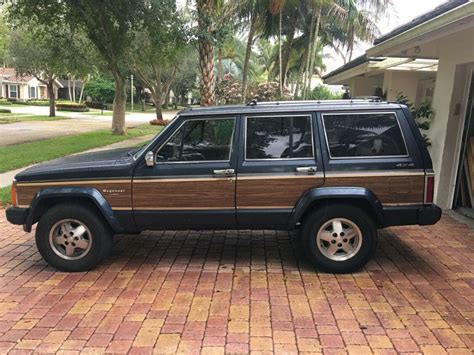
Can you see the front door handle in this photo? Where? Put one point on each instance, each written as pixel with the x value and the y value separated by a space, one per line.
pixel 224 172
pixel 307 169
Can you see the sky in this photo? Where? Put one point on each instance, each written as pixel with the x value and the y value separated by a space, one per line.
pixel 404 11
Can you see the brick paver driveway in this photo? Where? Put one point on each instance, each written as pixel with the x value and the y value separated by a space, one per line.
pixel 237 292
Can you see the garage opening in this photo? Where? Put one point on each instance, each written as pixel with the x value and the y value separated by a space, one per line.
pixel 464 189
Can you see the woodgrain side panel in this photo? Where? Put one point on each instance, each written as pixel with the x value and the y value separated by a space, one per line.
pixel 281 192
pixel 392 190
pixel 118 194
pixel 182 194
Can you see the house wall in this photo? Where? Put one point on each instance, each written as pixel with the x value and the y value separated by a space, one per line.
pixel 365 85
pixel 456 52
pixel 400 82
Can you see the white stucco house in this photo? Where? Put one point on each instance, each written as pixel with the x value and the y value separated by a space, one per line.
pixel 13 86
pixel 429 59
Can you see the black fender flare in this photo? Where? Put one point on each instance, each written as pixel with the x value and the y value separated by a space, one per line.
pixel 337 194
pixel 70 193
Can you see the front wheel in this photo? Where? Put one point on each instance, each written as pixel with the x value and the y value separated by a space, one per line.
pixel 339 238
pixel 71 237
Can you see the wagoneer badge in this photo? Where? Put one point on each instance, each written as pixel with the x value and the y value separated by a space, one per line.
pixel 113 191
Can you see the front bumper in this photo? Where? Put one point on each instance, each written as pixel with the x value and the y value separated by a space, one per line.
pixel 411 215
pixel 17 215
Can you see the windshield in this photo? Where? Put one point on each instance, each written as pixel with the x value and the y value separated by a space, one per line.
pixel 144 148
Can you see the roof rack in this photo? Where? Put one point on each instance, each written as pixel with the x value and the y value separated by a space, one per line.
pixel 318 102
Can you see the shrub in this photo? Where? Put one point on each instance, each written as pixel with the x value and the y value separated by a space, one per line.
pixel 73 107
pixel 322 92
pixel 156 122
pixel 100 89
pixel 269 92
pixel 229 90
pixel 5 102
pixel 421 114
pixel 5 110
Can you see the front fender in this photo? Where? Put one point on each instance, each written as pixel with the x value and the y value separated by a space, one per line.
pixel 45 197
pixel 337 194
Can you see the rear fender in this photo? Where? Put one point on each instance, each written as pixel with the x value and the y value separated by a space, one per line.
pixel 346 195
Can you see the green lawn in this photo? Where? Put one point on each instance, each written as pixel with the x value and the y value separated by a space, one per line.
pixel 6 118
pixel 20 155
pixel 5 195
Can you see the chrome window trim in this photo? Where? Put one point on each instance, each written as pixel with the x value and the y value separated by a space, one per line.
pixel 198 161
pixel 279 159
pixel 407 155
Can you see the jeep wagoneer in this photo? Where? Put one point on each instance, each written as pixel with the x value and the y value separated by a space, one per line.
pixel 334 170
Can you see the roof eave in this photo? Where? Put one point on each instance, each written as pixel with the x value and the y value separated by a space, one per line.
pixel 429 30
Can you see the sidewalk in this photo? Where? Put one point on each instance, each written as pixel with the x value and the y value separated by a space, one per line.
pixel 6 178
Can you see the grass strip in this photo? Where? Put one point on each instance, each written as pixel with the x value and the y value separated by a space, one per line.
pixel 5 196
pixel 4 119
pixel 19 155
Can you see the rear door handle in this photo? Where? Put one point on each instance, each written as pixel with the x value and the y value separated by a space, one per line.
pixel 307 169
pixel 224 172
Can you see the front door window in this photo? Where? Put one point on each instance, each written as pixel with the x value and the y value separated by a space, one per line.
pixel 200 140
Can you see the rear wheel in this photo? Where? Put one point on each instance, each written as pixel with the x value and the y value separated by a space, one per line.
pixel 339 238
pixel 72 237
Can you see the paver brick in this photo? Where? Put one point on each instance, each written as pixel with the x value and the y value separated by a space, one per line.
pixel 240 292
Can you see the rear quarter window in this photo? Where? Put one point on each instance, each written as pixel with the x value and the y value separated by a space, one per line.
pixel 363 135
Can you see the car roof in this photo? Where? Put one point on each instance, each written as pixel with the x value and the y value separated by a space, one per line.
pixel 293 106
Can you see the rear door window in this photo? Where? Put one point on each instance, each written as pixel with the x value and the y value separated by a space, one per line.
pixel 279 137
pixel 363 135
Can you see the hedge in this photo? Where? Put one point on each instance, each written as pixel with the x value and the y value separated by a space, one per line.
pixel 72 107
pixel 99 105
pixel 37 102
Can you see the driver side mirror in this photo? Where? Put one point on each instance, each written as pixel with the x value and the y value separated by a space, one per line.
pixel 150 158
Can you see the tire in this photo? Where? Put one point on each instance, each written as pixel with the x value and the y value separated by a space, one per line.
pixel 347 252
pixel 72 237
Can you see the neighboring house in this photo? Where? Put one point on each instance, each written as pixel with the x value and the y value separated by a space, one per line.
pixel 429 59
pixel 68 87
pixel 22 88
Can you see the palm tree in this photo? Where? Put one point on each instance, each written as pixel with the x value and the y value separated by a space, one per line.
pixel 205 10
pixel 358 21
pixel 213 21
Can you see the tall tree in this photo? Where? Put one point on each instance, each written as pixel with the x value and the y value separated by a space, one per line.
pixel 41 53
pixel 161 40
pixel 109 26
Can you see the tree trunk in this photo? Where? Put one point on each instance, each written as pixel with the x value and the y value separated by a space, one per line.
pixel 248 52
pixel 315 48
pixel 82 88
pixel 280 76
pixel 309 48
pixel 74 90
pixel 301 71
pixel 120 99
pixel 52 103
pixel 69 88
pixel 158 106
pixel 206 63
pixel 219 65
pixel 287 53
